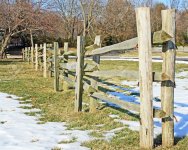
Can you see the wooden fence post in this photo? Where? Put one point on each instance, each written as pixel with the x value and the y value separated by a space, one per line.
pixel 65 58
pixel 65 71
pixel 145 77
pixel 41 57
pixel 32 56
pixel 27 49
pixel 36 57
pixel 44 61
pixel 56 67
pixel 23 54
pixel 96 58
pixel 29 54
pixel 168 78
pixel 50 65
pixel 79 74
pixel 26 54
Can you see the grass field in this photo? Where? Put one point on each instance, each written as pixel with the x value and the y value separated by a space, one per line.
pixel 19 78
pixel 154 54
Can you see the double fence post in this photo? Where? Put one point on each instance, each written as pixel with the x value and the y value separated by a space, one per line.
pixel 168 78
pixel 79 74
pixel 56 67
pixel 145 77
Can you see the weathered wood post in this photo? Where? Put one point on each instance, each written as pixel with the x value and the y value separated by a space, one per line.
pixel 65 58
pixel 96 58
pixel 79 74
pixel 27 50
pixel 168 78
pixel 145 77
pixel 29 54
pixel 23 54
pixel 32 56
pixel 65 71
pixel 40 57
pixel 56 67
pixel 44 61
pixel 51 64
pixel 36 57
pixel 26 53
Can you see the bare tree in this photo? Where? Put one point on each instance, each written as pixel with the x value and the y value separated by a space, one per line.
pixel 174 3
pixel 69 12
pixel 118 23
pixel 90 10
pixel 21 16
pixel 14 20
pixel 145 3
pixel 156 21
pixel 182 28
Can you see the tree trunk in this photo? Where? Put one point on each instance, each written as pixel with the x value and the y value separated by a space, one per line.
pixel 4 45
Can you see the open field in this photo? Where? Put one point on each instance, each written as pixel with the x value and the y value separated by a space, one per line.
pixel 154 54
pixel 19 78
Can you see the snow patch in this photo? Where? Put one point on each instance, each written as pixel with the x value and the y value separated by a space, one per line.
pixel 180 105
pixel 19 131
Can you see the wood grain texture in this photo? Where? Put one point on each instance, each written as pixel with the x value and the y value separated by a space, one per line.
pixel 126 45
pixel 79 74
pixel 44 61
pixel 161 37
pixel 56 68
pixel 36 57
pixel 168 78
pixel 126 105
pixel 32 55
pixel 145 77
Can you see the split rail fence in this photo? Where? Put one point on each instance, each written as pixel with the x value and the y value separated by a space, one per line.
pixel 75 73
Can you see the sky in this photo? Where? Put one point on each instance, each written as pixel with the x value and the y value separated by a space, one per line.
pixel 166 2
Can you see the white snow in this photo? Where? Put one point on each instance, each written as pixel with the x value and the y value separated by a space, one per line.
pixel 180 105
pixel 136 59
pixel 19 131
pixel 110 134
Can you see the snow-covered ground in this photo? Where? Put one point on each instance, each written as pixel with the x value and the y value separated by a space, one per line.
pixel 136 59
pixel 180 104
pixel 19 131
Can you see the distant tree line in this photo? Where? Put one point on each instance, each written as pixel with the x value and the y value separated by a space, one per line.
pixel 39 21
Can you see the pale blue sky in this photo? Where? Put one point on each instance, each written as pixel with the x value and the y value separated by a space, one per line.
pixel 166 2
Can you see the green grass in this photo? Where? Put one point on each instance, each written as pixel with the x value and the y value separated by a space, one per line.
pixel 59 106
pixel 68 141
pixel 97 134
pixel 135 54
pixel 124 139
